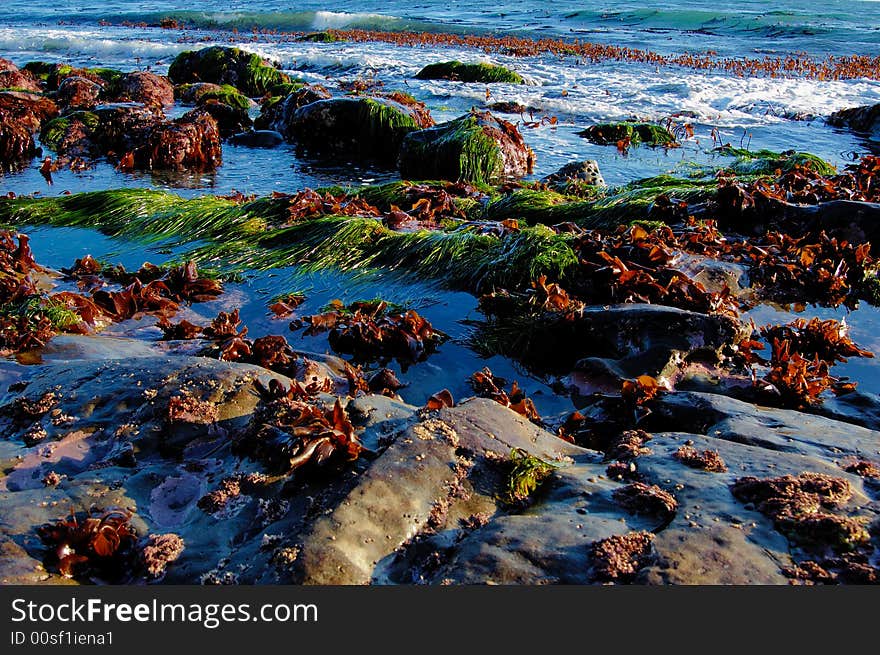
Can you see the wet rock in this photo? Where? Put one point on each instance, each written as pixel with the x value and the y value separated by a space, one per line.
pixel 246 71
pixel 257 139
pixel 146 88
pixel 29 109
pixel 78 93
pixel 583 171
pixel 278 114
pixel 72 134
pixel 20 80
pixel 865 120
pixel 629 134
pixel 191 142
pixel 21 115
pixel 477 147
pixel 476 72
pixel 371 128
pixel 121 127
pixel 230 120
pixel 781 430
pixel 633 340
pixel 17 145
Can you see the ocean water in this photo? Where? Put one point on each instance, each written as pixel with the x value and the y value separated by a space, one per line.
pixel 752 112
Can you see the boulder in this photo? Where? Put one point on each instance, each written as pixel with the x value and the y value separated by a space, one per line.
pixel 477 147
pixel 76 92
pixel 191 142
pixel 476 72
pixel 631 133
pixel 230 119
pixel 370 128
pixel 257 139
pixel 246 71
pixel 865 120
pixel 20 80
pixel 154 91
pixel 277 112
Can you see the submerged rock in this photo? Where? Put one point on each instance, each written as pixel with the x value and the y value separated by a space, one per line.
pixel 257 139
pixel 246 71
pixel 477 147
pixel 859 119
pixel 460 72
pixel 370 128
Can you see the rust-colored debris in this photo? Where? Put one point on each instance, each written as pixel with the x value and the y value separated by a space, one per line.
pixel 619 558
pixel 708 460
pixel 640 498
pixel 487 385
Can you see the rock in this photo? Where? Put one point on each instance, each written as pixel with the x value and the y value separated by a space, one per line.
pixel 71 134
pixel 191 142
pixel 28 109
pixel 189 94
pixel 107 78
pixel 121 127
pixel 632 133
pixel 630 340
pixel 230 120
pixel 781 430
pixel 277 114
pixel 482 72
pixel 257 139
pixel 246 71
pixel 371 128
pixel 865 120
pixel 583 171
pixel 19 80
pixel 17 145
pixel 154 91
pixel 21 114
pixel 76 92
pixel 477 147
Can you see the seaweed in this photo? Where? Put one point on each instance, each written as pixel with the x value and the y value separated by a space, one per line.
pixel 620 557
pixel 525 474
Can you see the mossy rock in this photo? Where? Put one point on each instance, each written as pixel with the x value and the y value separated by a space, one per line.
pixel 246 71
pixel 460 72
pixel 55 130
pixel 200 93
pixel 477 147
pixel 40 69
pixel 650 134
pixel 278 113
pixel 227 95
pixel 319 37
pixel 767 162
pixel 371 128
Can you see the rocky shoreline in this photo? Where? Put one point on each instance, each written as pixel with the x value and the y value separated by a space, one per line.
pixel 704 450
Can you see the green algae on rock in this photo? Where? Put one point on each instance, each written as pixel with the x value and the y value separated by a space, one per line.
pixel 246 71
pixel 476 147
pixel 372 128
pixel 630 133
pixel 460 72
